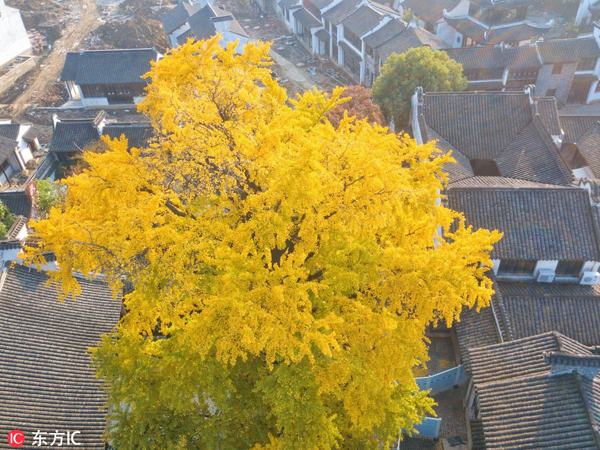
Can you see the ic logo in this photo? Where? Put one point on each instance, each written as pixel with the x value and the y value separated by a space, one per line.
pixel 16 438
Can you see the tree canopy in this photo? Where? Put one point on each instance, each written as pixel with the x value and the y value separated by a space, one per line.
pixel 357 103
pixel 433 70
pixel 280 271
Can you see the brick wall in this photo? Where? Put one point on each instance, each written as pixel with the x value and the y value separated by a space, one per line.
pixel 561 82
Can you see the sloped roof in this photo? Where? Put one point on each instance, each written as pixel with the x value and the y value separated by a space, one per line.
pixel 548 111
pixel 431 11
pixel 498 126
pixel 388 31
pixel 17 203
pixel 305 18
pixel 589 146
pixel 73 136
pixel 108 66
pixel 178 16
pixel 7 148
pixel 362 20
pixel 341 10
pixel 47 380
pixel 490 36
pixel 202 23
pixel 575 126
pixel 505 3
pixel 523 57
pixel 568 50
pixel 541 392
pixel 10 130
pixel 538 223
pixel 137 134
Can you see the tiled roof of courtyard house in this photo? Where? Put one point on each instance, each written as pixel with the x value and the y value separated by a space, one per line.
pixel 7 148
pixel 409 37
pixel 432 11
pixel 362 20
pixel 491 36
pixel 503 128
pixel 547 108
pixel 568 50
pixel 505 3
pixel 108 66
pixel 17 202
pixel 538 223
pixel 47 381
pixel 178 16
pixel 306 18
pixel 589 147
pixel 73 136
pixel 10 130
pixel 202 23
pixel 388 31
pixel 137 134
pixel 541 392
pixel 341 10
pixel 575 126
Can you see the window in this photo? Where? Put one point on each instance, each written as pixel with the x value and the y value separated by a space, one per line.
pixel 516 267
pixel 568 268
pixel 484 168
pixel 557 69
pixel 551 92
pixel 586 64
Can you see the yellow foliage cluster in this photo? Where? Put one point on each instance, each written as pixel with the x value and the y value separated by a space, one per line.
pixel 291 266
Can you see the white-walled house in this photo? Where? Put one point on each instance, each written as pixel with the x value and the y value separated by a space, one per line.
pixel 201 20
pixel 13 35
pixel 101 78
pixel 16 148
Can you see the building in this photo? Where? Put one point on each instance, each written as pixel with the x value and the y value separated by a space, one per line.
pixel 71 136
pixel 13 35
pixel 48 383
pixel 102 78
pixel 202 21
pixel 17 144
pixel 540 392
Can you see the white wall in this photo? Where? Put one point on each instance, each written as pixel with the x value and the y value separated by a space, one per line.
pixel 178 32
pixel 13 36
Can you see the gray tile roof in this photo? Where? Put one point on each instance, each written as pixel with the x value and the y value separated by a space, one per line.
pixel 496 182
pixel 7 148
pixel 341 10
pixel 47 382
pixel 388 31
pixel 568 50
pixel 137 134
pixel 490 36
pixel 362 20
pixel 540 392
pixel 10 130
pixel 589 146
pixel 575 126
pixel 17 202
pixel 73 136
pixel 305 18
pixel 524 57
pixel 178 16
pixel 499 126
pixel 108 66
pixel 431 11
pixel 538 223
pixel 202 23
pixel 548 111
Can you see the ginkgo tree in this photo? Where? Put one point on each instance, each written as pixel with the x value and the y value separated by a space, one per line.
pixel 280 272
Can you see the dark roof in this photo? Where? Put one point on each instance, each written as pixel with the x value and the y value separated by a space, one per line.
pixel 108 66
pixel 496 182
pixel 541 392
pixel 137 134
pixel 322 35
pixel 10 130
pixel 589 146
pixel 320 4
pixel 177 16
pixel 548 111
pixel 523 57
pixel 305 18
pixel 287 3
pixel 399 44
pixel 362 20
pixel 202 23
pixel 491 36
pixel 47 380
pixel 388 31
pixel 431 11
pixel 568 50
pixel 73 136
pixel 17 203
pixel 538 223
pixel 498 126
pixel 341 10
pixel 7 148
pixel 575 126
